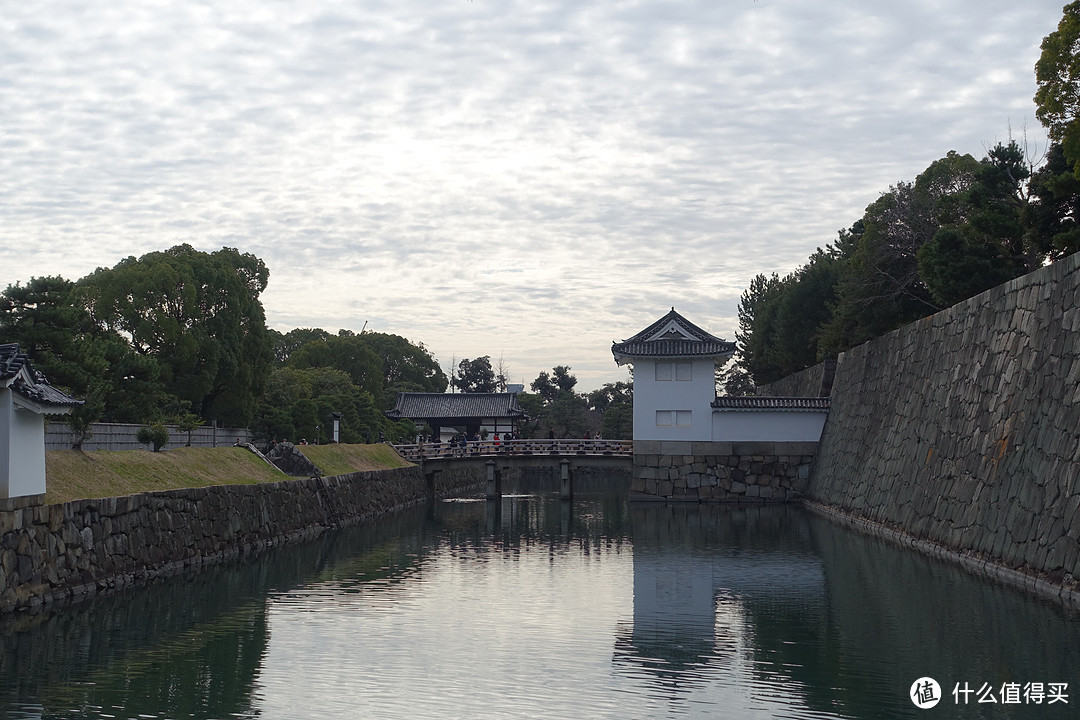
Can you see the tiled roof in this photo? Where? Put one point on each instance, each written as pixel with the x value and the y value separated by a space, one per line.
pixel 820 404
pixel 672 336
pixel 17 373
pixel 423 406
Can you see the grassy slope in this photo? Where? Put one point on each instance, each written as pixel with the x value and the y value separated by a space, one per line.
pixel 72 475
pixel 342 459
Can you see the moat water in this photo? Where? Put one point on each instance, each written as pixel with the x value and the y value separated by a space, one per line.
pixel 536 608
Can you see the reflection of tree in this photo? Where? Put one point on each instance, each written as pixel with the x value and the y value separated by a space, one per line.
pixel 190 646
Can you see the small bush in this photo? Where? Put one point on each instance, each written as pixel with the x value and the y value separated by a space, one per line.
pixel 155 435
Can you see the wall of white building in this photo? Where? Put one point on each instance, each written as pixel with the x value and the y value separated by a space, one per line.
pixel 22 449
pixel 672 402
pixel 767 425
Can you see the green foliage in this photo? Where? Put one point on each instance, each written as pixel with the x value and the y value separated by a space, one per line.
pixel 615 404
pixel 300 403
pixel 198 315
pixel 1056 210
pixel 346 352
pixel 156 435
pixel 990 240
pixel 406 367
pixel 81 419
pixel 476 376
pixel 1057 74
pixel 957 265
pixel 618 422
pixel 780 318
pixel 961 227
pixel 550 386
pixel 734 381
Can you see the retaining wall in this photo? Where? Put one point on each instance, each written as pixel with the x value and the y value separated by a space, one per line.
pixel 56 553
pixel 962 431
pixel 721 471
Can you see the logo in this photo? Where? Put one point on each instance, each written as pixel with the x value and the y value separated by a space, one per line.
pixel 925 693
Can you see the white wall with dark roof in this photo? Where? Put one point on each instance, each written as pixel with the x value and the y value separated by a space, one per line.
pixel 22 449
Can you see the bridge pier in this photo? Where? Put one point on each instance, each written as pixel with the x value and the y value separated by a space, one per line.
pixel 494 481
pixel 566 480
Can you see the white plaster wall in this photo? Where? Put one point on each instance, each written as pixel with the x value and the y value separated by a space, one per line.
pixel 6 410
pixel 22 449
pixel 695 395
pixel 779 426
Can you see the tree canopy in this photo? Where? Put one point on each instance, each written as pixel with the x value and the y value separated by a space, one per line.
pixel 1057 74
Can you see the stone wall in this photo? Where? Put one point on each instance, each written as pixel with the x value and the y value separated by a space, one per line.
pixel 56 553
pixel 962 430
pixel 815 381
pixel 721 471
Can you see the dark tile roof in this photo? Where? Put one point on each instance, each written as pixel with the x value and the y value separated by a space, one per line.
pixel 687 341
pixel 771 403
pixel 424 406
pixel 18 373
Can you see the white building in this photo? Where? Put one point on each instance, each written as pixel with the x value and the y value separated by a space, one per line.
pixel 675 392
pixel 25 398
pixel 674 378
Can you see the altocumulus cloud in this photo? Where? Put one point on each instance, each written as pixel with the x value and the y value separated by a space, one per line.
pixel 529 180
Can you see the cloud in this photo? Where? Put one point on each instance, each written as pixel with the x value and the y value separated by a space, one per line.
pixel 531 179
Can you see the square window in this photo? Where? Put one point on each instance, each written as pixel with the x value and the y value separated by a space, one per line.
pixel 682 418
pixel 663 370
pixel 683 371
pixel 663 418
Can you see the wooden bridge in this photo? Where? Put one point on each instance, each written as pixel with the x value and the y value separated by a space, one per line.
pixel 493 456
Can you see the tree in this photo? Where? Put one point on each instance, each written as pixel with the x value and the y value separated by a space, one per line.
pixel 1055 211
pixel 406 366
pixel 502 375
pixel 989 241
pixel 615 403
pixel 50 320
pixel 548 386
pixel 347 352
pixel 476 376
pixel 734 381
pixel 199 316
pixel 780 319
pixel 286 344
pixel 156 435
pixel 880 286
pixel 1057 74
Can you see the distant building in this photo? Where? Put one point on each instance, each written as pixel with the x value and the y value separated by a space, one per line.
pixel 470 412
pixel 25 399
pixel 675 391
pixel 674 378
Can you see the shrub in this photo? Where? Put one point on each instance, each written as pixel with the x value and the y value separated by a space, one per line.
pixel 155 435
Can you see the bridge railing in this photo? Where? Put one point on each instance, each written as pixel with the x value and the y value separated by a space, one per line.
pixel 495 448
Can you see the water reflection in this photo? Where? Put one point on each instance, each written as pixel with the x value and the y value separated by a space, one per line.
pixel 183 647
pixel 535 607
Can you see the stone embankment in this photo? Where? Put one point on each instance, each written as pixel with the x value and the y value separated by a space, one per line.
pixel 721 471
pixel 56 553
pixel 960 433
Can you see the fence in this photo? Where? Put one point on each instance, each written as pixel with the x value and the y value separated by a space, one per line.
pixel 624 448
pixel 121 436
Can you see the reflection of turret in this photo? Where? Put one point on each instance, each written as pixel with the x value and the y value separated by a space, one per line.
pixel 699 572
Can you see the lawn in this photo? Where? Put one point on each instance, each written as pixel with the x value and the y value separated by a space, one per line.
pixel 74 475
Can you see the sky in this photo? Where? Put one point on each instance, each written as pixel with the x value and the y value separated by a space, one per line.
pixel 528 180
